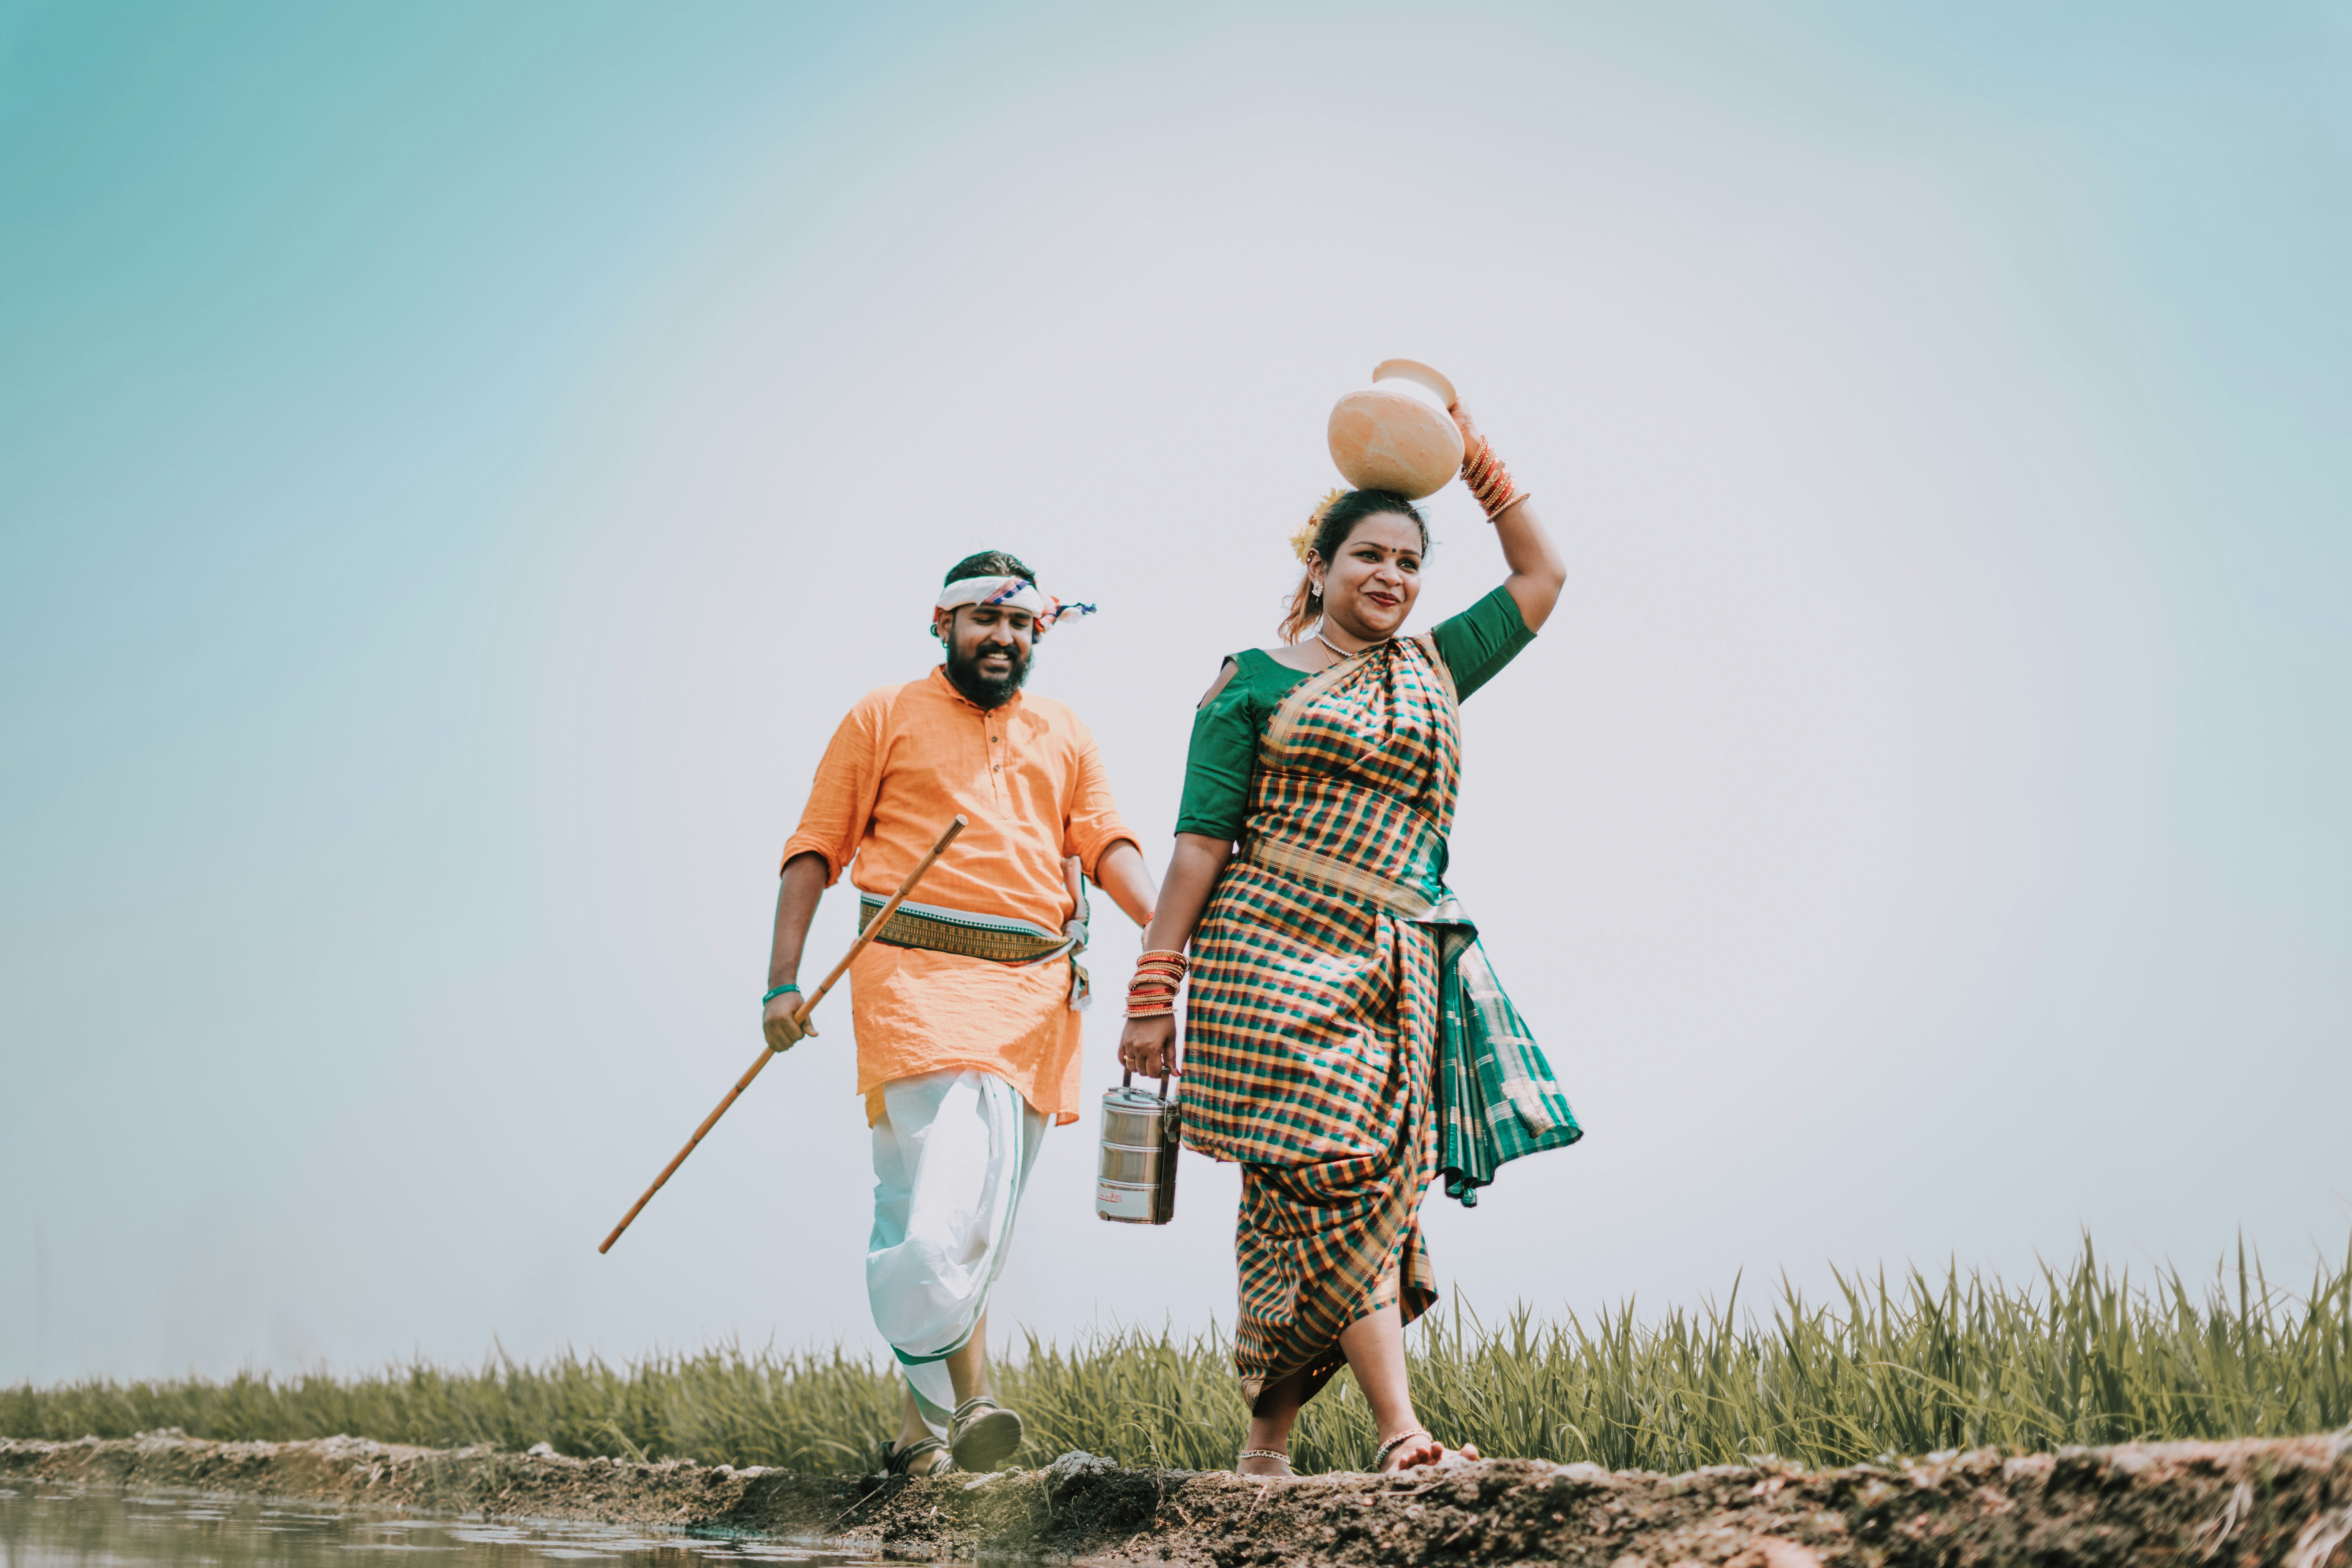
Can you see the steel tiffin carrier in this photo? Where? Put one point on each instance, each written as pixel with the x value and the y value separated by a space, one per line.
pixel 1136 1184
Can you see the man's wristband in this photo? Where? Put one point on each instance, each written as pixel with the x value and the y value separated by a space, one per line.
pixel 776 990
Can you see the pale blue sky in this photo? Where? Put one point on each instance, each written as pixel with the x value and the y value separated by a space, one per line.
pixel 457 462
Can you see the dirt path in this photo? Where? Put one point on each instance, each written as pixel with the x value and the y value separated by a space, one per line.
pixel 2286 1502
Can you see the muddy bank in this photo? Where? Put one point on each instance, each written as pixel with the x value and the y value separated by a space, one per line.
pixel 2255 1502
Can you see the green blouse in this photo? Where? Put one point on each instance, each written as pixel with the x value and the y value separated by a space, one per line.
pixel 1475 645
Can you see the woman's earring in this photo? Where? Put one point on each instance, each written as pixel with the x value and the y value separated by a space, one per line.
pixel 1314 590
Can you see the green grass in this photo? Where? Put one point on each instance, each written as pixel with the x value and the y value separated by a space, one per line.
pixel 2082 1354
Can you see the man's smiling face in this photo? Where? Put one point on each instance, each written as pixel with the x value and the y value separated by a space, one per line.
pixel 987 650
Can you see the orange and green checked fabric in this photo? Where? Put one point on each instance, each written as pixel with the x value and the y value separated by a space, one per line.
pixel 1313 1020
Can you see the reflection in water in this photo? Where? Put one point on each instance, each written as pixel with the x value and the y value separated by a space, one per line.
pixel 54 1525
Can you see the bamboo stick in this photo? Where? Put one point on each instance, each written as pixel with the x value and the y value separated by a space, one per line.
pixel 807 1006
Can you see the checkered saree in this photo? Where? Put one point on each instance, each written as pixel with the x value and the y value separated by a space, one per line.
pixel 1322 1013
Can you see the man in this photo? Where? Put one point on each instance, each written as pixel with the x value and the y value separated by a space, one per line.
pixel 966 1005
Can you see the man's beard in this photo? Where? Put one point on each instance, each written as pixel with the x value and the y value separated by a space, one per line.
pixel 984 692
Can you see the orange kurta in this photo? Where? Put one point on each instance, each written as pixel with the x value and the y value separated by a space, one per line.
pixel 904 762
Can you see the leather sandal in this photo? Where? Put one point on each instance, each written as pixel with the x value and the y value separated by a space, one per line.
pixel 1274 1453
pixel 983 1434
pixel 896 1459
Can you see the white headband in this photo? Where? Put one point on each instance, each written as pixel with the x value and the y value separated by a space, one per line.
pixel 1013 593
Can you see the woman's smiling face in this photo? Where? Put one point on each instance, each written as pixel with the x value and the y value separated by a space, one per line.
pixel 1369 591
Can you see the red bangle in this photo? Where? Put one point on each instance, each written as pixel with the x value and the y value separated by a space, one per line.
pixel 1152 992
pixel 1489 481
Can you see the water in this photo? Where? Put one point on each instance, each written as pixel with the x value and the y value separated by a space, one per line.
pixel 54 1525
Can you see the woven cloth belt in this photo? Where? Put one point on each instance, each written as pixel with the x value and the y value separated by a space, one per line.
pixel 1312 865
pixel 993 936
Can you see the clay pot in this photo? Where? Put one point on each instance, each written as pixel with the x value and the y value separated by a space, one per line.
pixel 1395 435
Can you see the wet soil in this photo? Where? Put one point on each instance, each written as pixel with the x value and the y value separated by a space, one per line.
pixel 2284 1501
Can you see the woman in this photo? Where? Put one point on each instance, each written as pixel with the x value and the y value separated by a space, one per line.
pixel 1322 950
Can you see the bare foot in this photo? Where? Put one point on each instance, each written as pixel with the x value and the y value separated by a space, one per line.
pixel 1261 1464
pixel 1421 1448
pixel 1424 1450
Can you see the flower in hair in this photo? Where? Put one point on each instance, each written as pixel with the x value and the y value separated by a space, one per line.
pixel 1302 541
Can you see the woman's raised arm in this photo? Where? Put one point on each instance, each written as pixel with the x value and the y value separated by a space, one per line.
pixel 1537 574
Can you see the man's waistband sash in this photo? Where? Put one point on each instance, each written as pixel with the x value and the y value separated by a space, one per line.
pixel 995 938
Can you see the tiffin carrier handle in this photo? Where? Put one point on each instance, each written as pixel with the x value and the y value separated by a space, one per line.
pixel 1127 1080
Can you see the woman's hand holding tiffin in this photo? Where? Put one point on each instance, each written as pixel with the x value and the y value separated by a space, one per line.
pixel 1148 1045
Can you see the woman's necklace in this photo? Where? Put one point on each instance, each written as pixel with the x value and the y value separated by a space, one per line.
pixel 1341 652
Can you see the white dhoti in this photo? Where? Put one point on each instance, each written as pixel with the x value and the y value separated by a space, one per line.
pixel 952 1154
